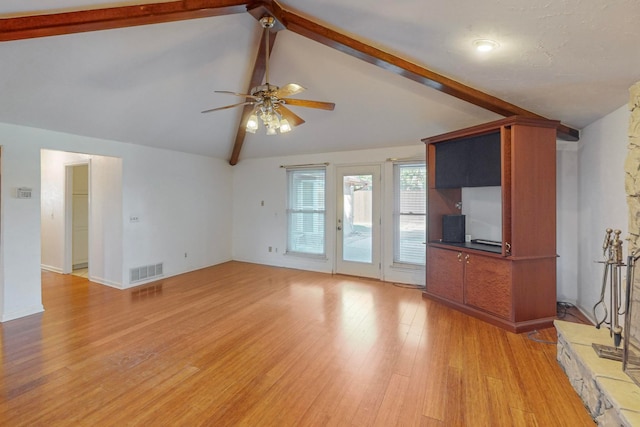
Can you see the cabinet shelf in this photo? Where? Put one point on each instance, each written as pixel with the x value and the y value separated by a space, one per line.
pixel 512 285
pixel 469 246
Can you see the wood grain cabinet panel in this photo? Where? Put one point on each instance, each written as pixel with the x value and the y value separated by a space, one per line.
pixel 488 285
pixel 446 280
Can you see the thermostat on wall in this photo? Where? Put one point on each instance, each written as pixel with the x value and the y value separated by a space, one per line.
pixel 23 193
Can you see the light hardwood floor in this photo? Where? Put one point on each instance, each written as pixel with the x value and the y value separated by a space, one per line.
pixel 245 344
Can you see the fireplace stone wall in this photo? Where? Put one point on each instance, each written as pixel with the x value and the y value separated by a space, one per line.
pixel 632 188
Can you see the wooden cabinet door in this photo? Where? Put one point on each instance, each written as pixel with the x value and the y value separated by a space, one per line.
pixel 488 285
pixel 445 273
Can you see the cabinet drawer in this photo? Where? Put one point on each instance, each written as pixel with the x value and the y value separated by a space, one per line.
pixel 488 285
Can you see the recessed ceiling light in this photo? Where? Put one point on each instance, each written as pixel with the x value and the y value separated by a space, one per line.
pixel 485 45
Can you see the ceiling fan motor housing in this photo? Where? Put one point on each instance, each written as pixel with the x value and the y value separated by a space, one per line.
pixel 267 21
pixel 264 90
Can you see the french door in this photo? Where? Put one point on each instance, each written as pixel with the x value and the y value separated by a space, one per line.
pixel 358 220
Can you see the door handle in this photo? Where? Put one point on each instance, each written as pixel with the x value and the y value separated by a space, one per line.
pixel 339 228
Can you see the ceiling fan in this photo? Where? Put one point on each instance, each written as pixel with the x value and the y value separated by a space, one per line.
pixel 269 100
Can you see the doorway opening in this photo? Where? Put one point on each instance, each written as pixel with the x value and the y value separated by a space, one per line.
pixel 96 220
pixel 358 221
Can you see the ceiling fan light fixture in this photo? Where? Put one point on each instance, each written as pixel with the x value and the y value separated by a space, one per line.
pixel 252 123
pixel 486 45
pixel 268 100
pixel 285 126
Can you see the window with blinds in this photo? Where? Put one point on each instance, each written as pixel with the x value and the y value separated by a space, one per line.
pixel 410 213
pixel 306 211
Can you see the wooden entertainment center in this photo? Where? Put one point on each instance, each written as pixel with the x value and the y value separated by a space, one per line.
pixel 513 284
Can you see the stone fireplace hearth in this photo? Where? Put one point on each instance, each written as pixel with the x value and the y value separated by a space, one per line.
pixel 611 397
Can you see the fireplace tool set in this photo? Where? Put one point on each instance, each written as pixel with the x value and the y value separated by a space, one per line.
pixel 612 278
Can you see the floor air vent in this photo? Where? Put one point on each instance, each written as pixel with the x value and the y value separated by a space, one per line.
pixel 146 272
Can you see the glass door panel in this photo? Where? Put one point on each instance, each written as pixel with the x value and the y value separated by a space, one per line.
pixel 358 221
pixel 357 217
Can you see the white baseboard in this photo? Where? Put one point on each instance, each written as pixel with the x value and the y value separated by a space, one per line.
pixel 25 311
pixel 51 268
pixel 101 281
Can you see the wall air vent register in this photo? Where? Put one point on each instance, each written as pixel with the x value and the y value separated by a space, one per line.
pixel 138 274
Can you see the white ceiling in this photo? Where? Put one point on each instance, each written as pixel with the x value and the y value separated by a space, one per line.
pixel 570 60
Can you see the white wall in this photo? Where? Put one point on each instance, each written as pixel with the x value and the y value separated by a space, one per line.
pixel 20 228
pixel 184 206
pixel 1 238
pixel 257 227
pixel 602 199
pixel 482 207
pixel 106 239
pixel 183 201
pixel 566 221
pixel 52 208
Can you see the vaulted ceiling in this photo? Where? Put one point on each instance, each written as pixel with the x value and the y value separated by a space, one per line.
pixel 141 72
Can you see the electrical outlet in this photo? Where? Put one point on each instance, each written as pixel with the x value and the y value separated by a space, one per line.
pixel 270 248
pixel 262 203
pixel 185 254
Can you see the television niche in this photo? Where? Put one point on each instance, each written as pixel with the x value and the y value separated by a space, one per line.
pixel 469 162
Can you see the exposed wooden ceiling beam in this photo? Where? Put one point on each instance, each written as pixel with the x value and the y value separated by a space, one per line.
pixel 388 61
pixel 26 27
pixel 259 70
pixel 117 17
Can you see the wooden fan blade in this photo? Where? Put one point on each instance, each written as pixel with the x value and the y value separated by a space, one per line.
pixel 289 90
pixel 310 104
pixel 292 118
pixel 237 94
pixel 229 106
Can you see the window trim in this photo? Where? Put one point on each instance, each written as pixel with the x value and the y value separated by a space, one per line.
pixel 289 210
pixel 397 214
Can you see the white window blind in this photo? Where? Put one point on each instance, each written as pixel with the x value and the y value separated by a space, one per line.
pixel 306 211
pixel 410 213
